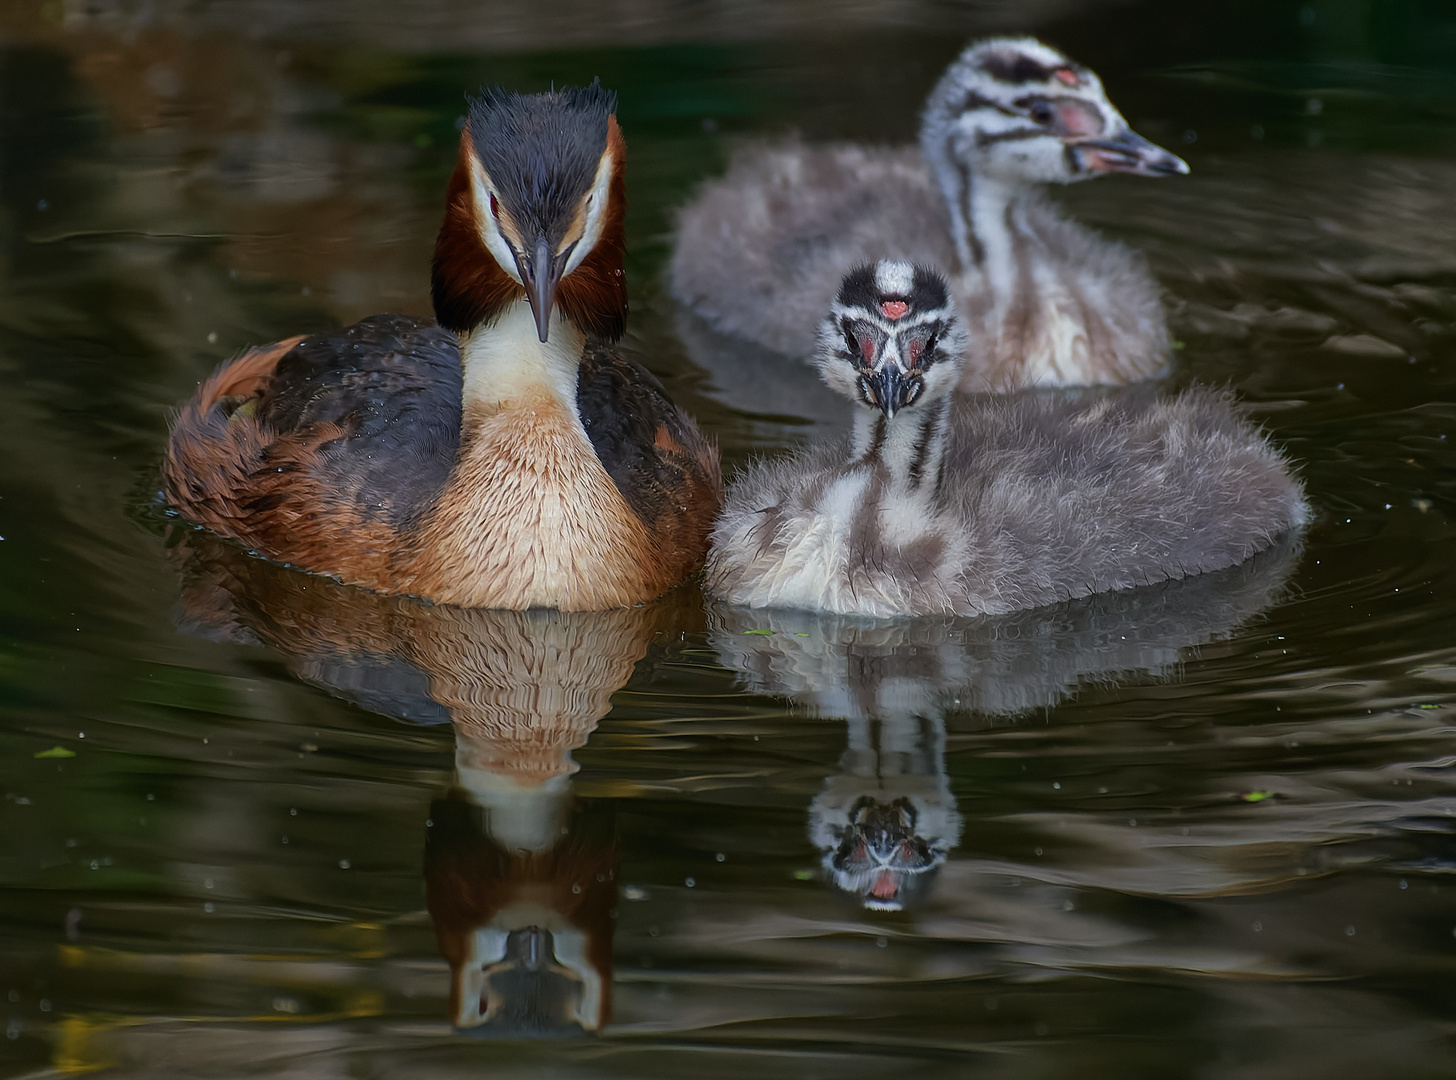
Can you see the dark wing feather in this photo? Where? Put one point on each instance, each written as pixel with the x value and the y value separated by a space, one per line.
pixel 663 466
pixel 392 385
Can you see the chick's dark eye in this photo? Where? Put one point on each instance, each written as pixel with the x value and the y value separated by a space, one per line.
pixel 1041 112
pixel 931 342
pixel 850 343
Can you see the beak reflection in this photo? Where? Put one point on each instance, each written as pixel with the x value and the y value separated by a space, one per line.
pixel 881 856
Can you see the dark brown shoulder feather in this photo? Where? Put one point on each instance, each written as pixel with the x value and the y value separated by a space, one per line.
pixel 661 463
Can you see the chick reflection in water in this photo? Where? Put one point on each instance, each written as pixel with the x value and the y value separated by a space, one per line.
pixel 520 875
pixel 888 819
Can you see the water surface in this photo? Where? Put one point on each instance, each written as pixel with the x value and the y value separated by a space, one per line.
pixel 257 824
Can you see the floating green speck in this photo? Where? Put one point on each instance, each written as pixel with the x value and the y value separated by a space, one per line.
pixel 56 751
pixel 803 875
pixel 1255 796
pixel 764 633
pixel 806 635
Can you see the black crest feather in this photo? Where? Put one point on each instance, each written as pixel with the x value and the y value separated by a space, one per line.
pixel 928 291
pixel 541 150
pixel 1015 67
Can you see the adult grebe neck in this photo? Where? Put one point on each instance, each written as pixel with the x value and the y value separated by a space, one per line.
pixel 506 365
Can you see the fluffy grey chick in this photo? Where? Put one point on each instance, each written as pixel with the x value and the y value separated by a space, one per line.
pixel 760 252
pixel 990 504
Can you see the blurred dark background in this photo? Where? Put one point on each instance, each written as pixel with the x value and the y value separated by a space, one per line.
pixel 182 179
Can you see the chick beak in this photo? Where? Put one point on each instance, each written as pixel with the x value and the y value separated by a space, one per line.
pixel 1127 152
pixel 890 388
pixel 540 274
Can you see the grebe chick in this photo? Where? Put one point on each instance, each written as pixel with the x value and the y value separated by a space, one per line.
pixel 997 503
pixel 505 457
pixel 760 252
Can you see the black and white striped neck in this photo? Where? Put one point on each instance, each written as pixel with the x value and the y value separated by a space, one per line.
pixel 910 448
pixel 983 216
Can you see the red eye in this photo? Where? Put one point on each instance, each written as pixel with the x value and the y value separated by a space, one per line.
pixel 494 207
pixel 916 348
pixel 867 349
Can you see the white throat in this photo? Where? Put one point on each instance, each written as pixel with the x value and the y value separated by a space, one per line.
pixel 911 448
pixel 507 364
pixel 520 816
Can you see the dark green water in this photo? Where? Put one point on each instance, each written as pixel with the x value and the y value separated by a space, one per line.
pixel 1204 830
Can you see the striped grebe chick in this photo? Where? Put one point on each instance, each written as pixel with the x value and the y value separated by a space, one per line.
pixel 505 456
pixel 985 505
pixel 760 252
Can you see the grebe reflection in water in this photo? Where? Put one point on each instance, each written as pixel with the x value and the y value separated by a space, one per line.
pixel 520 874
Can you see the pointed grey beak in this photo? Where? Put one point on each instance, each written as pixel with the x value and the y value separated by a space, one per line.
pixel 540 274
pixel 890 389
pixel 1127 152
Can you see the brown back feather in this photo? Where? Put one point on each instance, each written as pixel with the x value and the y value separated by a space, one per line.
pixel 228 472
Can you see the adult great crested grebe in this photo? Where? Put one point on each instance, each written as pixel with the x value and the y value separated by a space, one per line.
pixel 504 457
pixel 987 504
pixel 760 252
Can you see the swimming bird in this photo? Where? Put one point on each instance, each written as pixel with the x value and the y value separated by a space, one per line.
pixel 504 456
pixel 760 251
pixel 988 504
